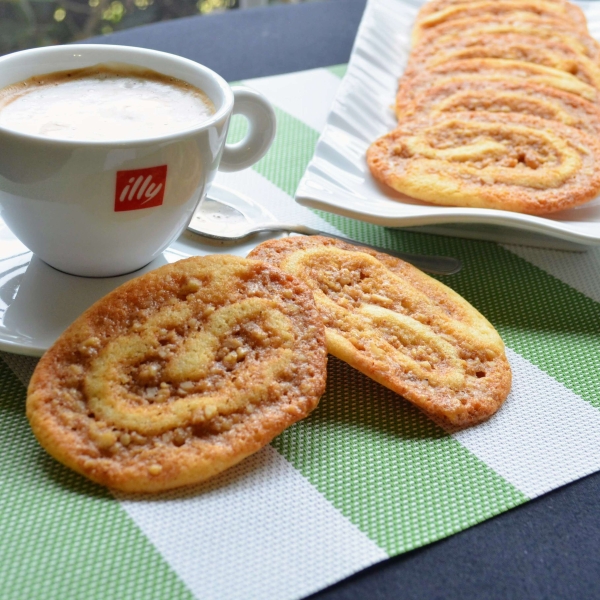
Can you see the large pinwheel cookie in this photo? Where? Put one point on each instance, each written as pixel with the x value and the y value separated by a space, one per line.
pixel 180 374
pixel 506 161
pixel 400 327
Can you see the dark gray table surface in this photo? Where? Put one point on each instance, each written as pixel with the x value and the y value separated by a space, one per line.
pixel 547 548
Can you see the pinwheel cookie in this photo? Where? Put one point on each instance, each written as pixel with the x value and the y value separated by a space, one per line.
pixel 504 161
pixel 180 374
pixel 514 24
pixel 507 95
pixel 490 69
pixel 552 13
pixel 508 46
pixel 400 327
pixel 563 7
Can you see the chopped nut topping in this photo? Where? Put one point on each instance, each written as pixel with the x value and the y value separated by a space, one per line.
pixel 90 346
pixel 104 439
pixel 163 395
pixel 230 360
pixel 191 286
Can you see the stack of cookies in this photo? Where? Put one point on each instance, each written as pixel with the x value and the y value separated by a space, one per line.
pixel 498 108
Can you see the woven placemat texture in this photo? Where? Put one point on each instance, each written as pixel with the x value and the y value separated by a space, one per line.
pixel 366 476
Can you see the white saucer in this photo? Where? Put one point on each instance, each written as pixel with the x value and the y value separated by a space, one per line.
pixel 37 302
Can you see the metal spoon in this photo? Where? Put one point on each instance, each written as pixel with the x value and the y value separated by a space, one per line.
pixel 225 215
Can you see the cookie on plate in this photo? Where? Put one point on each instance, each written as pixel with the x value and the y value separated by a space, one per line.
pixel 400 327
pixel 551 13
pixel 508 46
pixel 489 160
pixel 510 95
pixel 515 24
pixel 569 12
pixel 493 69
pixel 180 373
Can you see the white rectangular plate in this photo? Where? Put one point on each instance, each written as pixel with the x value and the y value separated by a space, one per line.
pixel 337 179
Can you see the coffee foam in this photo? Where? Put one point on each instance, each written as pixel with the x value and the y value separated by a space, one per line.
pixel 106 102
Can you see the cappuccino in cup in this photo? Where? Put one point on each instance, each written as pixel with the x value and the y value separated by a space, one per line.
pixel 105 157
pixel 103 103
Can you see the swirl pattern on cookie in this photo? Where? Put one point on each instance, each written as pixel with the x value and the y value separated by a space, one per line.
pixel 453 32
pixel 494 70
pixel 549 12
pixel 514 47
pixel 508 95
pixel 510 24
pixel 180 374
pixel 400 327
pixel 504 161
pixel 568 11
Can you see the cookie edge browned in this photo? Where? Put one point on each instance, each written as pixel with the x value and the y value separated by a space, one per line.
pixel 264 424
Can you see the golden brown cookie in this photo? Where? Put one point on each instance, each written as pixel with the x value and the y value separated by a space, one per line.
pixel 180 373
pixel 551 13
pixel 510 95
pixel 489 160
pixel 572 13
pixel 517 24
pixel 508 46
pixel 492 69
pixel 400 327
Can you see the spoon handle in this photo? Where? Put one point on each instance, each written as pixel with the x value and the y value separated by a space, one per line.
pixel 439 265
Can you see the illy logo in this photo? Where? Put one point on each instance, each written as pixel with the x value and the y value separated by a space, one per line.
pixel 140 188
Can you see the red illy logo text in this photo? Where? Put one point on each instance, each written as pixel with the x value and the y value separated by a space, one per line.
pixel 140 188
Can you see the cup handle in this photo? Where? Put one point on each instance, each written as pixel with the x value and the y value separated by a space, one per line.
pixel 262 124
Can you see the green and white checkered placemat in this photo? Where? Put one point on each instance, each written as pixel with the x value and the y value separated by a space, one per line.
pixel 365 477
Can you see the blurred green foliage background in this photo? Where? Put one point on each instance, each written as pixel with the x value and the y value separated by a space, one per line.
pixel 31 23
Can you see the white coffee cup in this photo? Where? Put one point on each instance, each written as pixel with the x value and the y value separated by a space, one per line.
pixel 64 198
